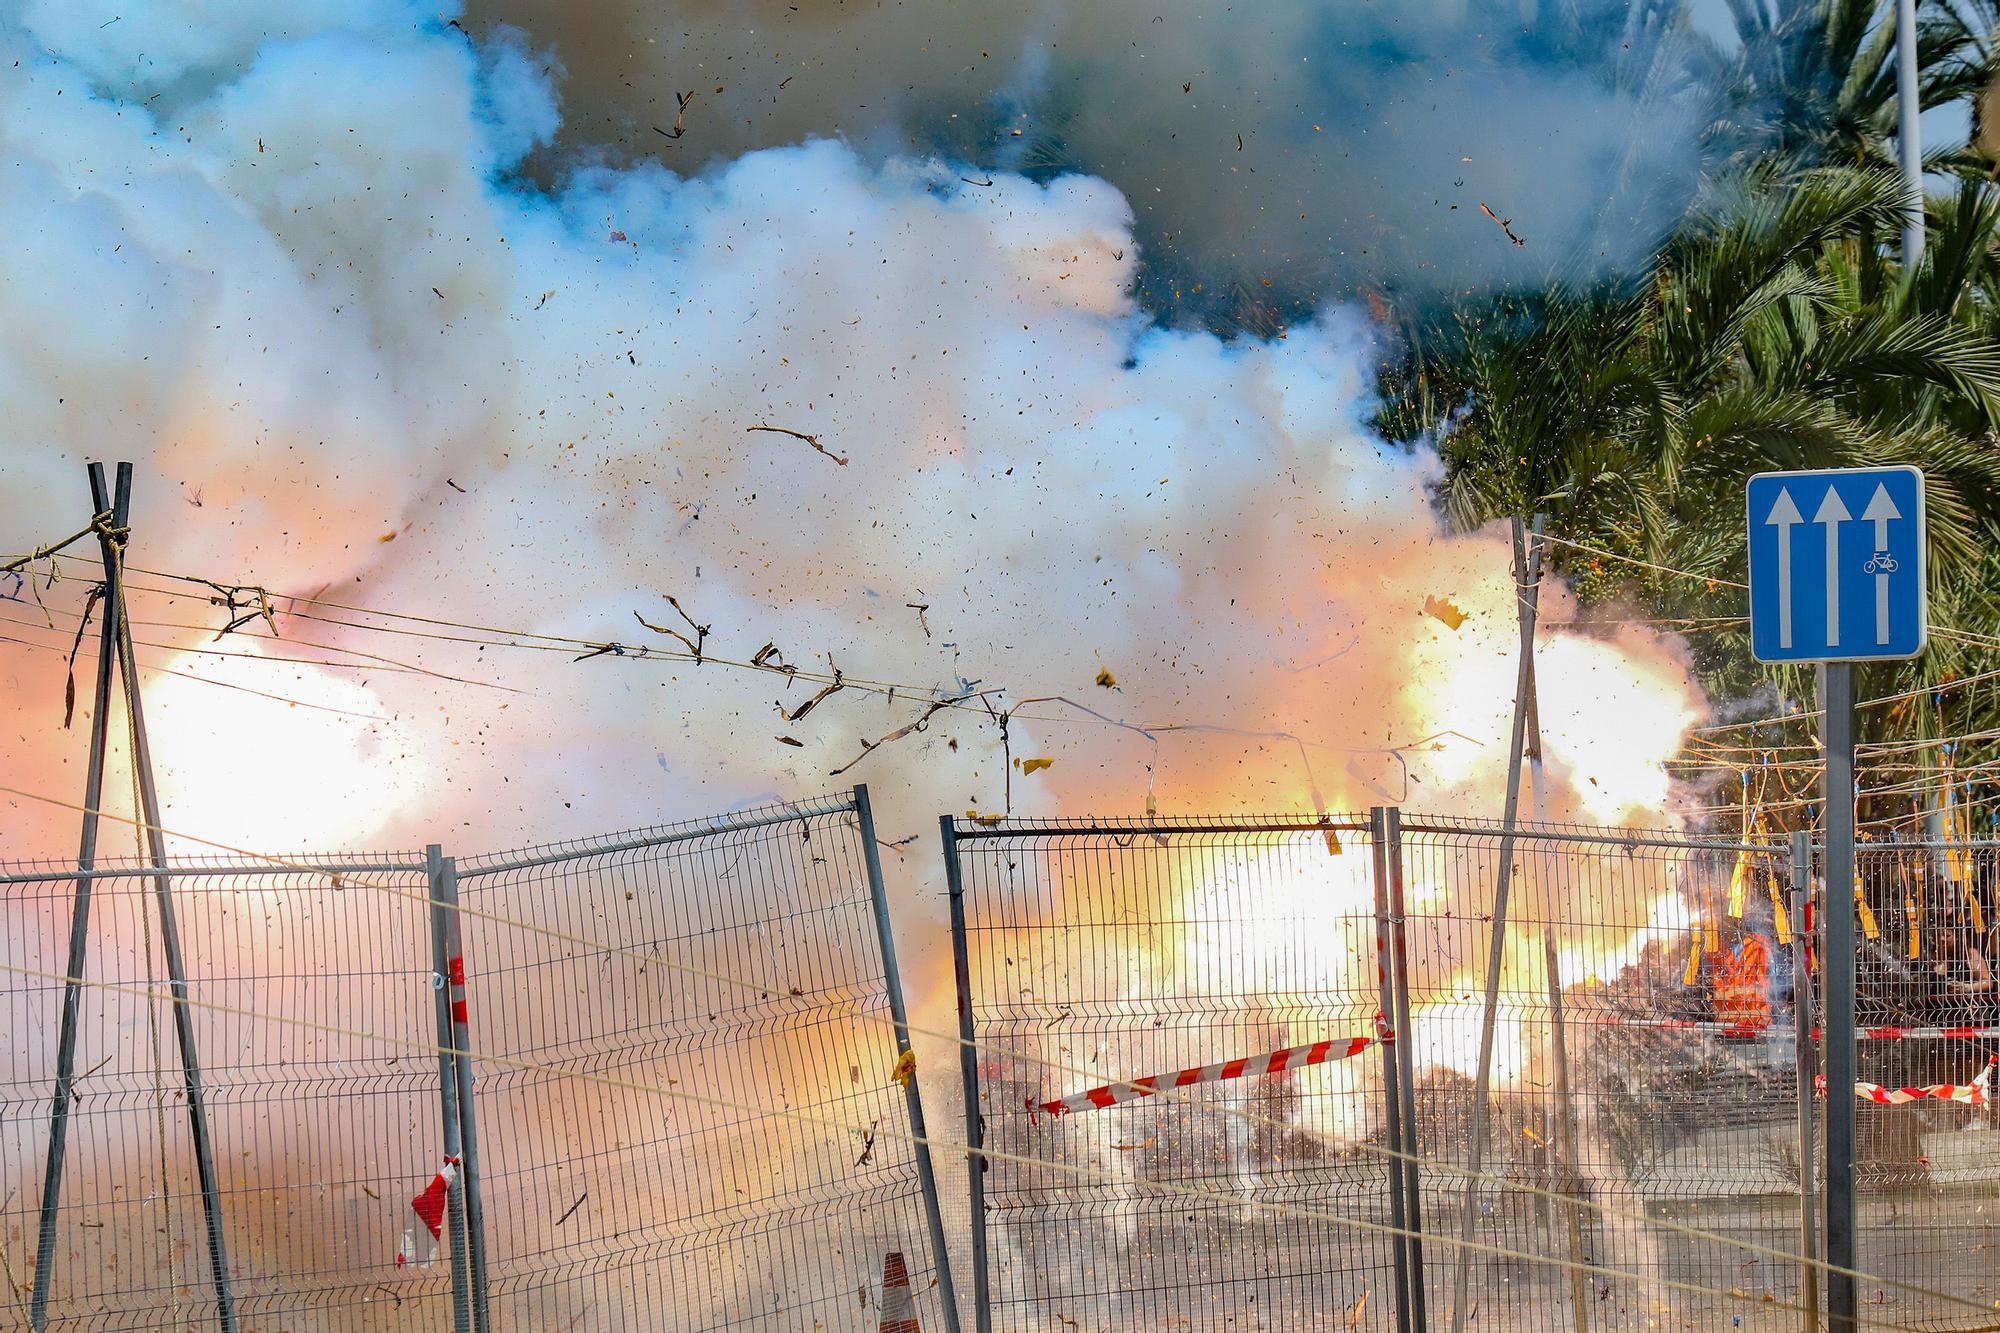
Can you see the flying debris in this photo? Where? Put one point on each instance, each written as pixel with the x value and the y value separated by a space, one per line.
pixel 812 440
pixel 1442 609
pixel 1505 224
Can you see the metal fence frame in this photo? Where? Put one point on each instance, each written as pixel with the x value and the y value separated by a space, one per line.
pixel 231 974
pixel 1405 1254
pixel 1432 1203
pixel 855 804
pixel 437 956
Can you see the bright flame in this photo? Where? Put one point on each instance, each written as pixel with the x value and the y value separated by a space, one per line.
pixel 321 768
pixel 1612 716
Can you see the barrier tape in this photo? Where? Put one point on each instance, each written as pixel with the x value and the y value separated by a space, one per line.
pixel 1719 1028
pixel 1299 1057
pixel 1255 1066
pixel 1968 1094
pixel 427 1211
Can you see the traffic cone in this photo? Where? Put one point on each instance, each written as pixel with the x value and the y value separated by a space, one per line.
pixel 899 1308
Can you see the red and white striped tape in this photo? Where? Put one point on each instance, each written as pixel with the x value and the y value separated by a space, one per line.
pixel 456 978
pixel 1714 1028
pixel 1255 1066
pixel 1705 1027
pixel 1925 1034
pixel 427 1212
pixel 1969 1094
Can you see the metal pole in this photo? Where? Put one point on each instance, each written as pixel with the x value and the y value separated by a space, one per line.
pixel 1570 1184
pixel 79 926
pixel 1528 567
pixel 1393 1118
pixel 446 891
pixel 170 948
pixel 1836 700
pixel 1909 137
pixel 461 1277
pixel 1807 1062
pixel 968 1068
pixel 1406 1058
pixel 892 980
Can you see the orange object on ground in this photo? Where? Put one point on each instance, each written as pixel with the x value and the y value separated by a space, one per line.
pixel 899 1307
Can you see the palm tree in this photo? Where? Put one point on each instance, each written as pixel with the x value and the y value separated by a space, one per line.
pixel 1777 334
pixel 1814 84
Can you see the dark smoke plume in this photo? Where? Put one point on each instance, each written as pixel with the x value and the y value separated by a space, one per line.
pixel 1276 156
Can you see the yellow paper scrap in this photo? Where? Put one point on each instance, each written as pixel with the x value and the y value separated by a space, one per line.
pixel 1781 920
pixel 1441 609
pixel 1868 926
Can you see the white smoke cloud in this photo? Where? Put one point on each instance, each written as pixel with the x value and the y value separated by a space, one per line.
pixel 289 273
pixel 306 293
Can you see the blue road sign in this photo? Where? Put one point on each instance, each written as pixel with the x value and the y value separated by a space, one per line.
pixel 1837 564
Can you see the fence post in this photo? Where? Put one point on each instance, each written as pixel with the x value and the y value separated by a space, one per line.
pixel 79 924
pixel 1393 1118
pixel 968 1066
pixel 1571 1184
pixel 468 1129
pixel 1406 1057
pixel 1527 590
pixel 461 1293
pixel 892 980
pixel 1836 701
pixel 1806 1059
pixel 170 952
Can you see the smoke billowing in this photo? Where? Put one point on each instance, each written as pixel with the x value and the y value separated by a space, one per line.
pixel 299 275
pixel 1274 155
pixel 294 275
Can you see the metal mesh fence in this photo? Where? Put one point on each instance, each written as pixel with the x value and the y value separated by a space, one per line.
pixel 1928 1173
pixel 1644 1066
pixel 739 959
pixel 1123 951
pixel 609 1207
pixel 317 1136
pixel 1668 967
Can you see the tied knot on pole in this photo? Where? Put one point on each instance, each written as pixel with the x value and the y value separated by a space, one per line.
pixel 1383 1032
pixel 117 535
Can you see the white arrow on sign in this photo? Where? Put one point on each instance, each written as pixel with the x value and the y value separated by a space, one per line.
pixel 1782 516
pixel 1832 513
pixel 1879 511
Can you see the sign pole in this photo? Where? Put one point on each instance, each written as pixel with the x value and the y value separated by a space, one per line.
pixel 1836 701
pixel 1857 594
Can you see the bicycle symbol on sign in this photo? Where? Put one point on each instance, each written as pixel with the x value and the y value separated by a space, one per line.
pixel 1880 563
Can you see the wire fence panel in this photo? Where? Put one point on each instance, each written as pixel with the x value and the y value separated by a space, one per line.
pixel 1671 1098
pixel 689 1115
pixel 320 1137
pixel 1109 953
pixel 747 976
pixel 1927 1172
pixel 1643 1085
